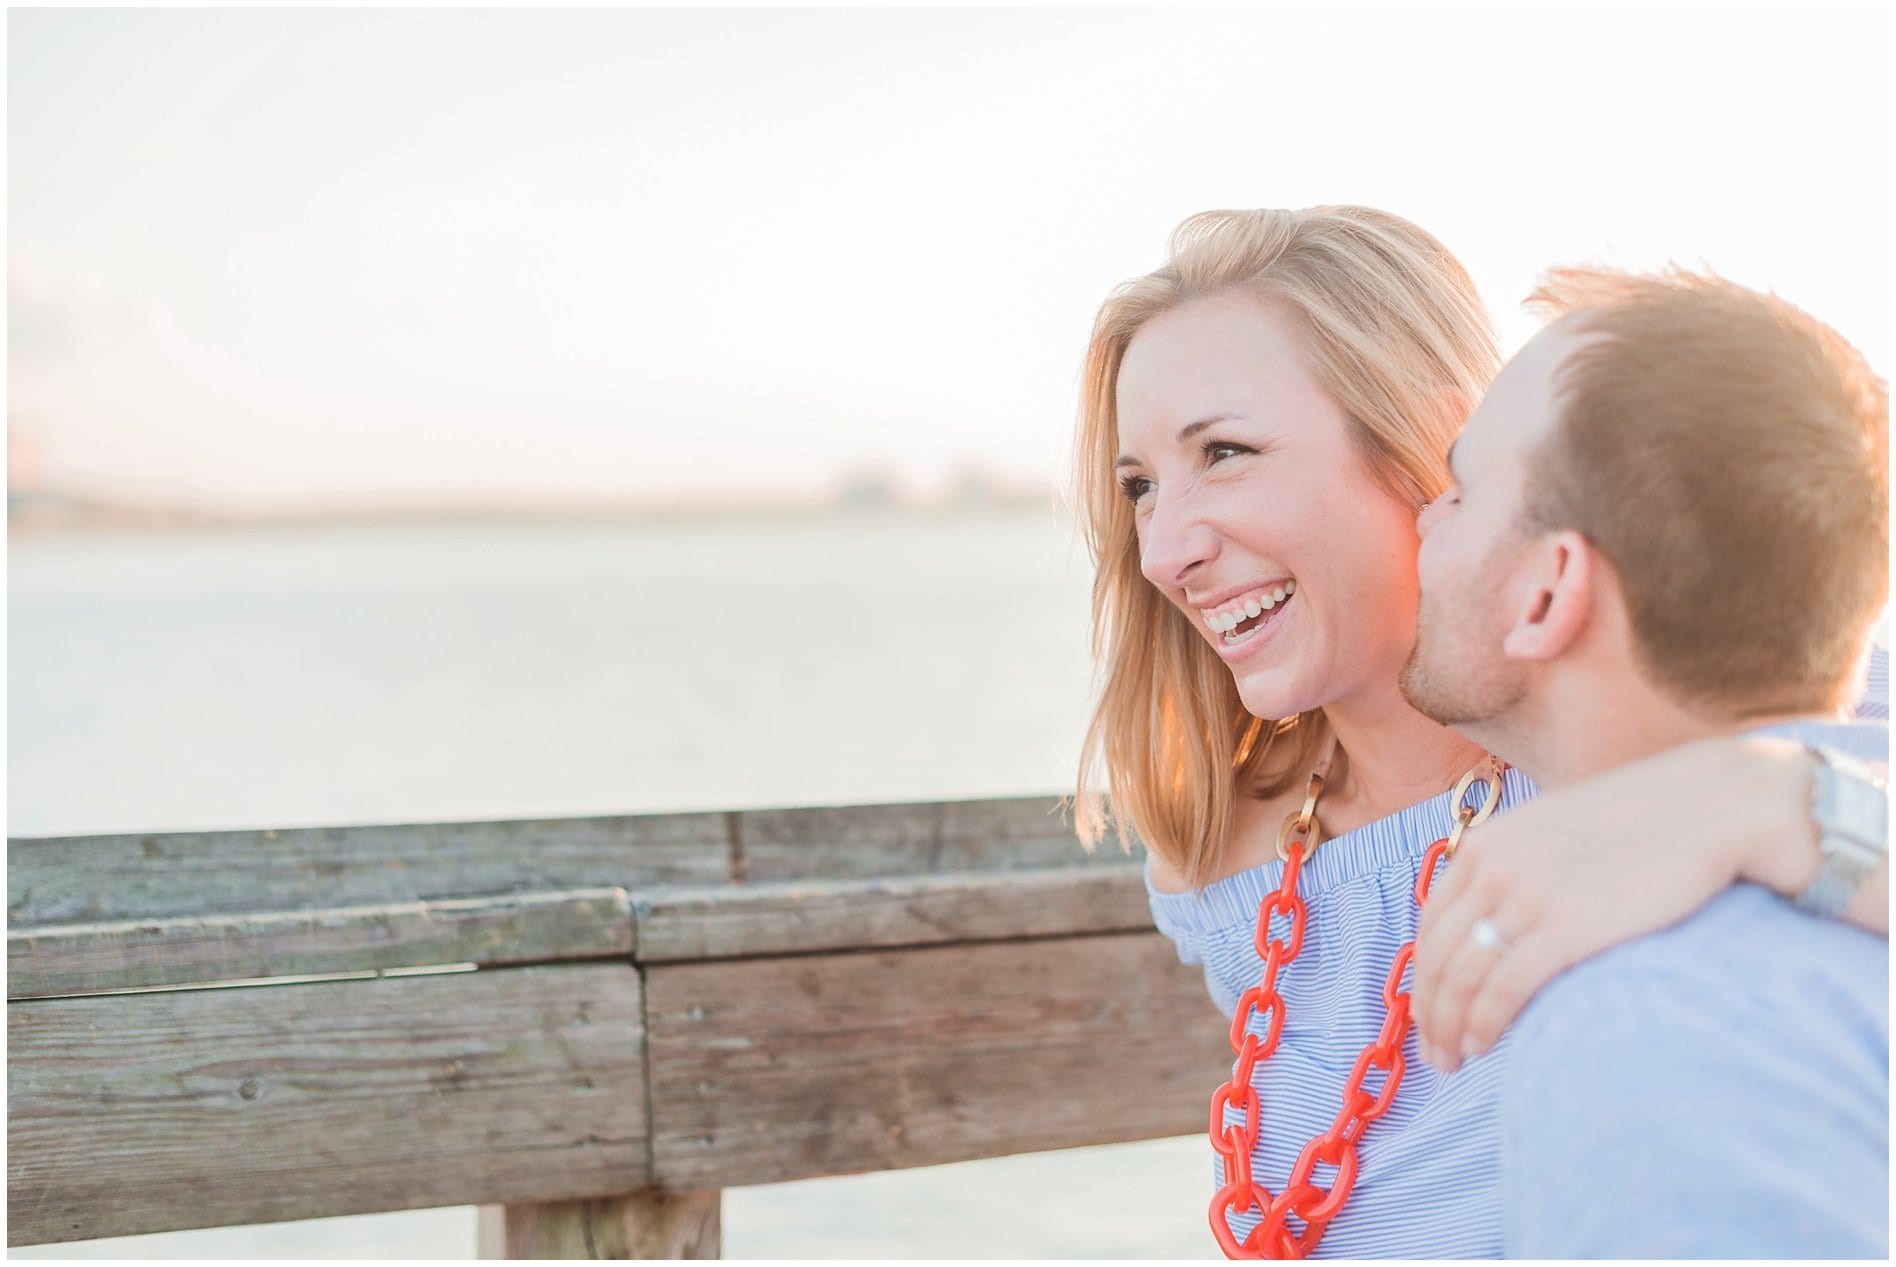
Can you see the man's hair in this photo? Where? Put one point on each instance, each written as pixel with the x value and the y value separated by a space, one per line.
pixel 1728 454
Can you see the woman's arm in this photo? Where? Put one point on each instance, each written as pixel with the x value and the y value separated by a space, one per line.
pixel 1787 861
pixel 1576 871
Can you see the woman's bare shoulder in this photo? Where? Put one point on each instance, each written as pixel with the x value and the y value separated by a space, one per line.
pixel 1166 878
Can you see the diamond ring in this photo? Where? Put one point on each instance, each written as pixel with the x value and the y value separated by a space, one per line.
pixel 1487 935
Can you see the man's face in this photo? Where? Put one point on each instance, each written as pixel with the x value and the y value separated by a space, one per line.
pixel 1473 543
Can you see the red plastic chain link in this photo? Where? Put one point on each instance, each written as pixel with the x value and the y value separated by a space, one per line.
pixel 1303 1198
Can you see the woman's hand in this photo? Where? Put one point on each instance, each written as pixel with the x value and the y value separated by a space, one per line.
pixel 1581 869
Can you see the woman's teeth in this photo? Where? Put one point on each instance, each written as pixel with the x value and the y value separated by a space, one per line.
pixel 1227 621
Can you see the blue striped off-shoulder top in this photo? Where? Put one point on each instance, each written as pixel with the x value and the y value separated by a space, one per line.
pixel 1428 1184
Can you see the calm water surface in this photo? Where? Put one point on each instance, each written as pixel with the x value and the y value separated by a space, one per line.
pixel 280 677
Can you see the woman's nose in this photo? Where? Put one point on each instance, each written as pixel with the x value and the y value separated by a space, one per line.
pixel 1174 543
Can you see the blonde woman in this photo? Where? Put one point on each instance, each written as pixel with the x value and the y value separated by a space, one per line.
pixel 1262 420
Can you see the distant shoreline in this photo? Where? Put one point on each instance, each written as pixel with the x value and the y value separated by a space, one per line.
pixel 50 514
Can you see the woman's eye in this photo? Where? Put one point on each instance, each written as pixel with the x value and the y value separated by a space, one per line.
pixel 1218 450
pixel 1135 487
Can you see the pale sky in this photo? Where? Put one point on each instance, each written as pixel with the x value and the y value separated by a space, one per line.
pixel 274 257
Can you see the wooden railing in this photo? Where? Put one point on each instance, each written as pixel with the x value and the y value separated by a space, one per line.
pixel 588 1026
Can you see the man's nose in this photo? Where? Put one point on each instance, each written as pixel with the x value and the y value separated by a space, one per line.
pixel 1425 517
pixel 1175 542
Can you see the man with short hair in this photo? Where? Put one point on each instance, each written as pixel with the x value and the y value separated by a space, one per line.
pixel 1670 522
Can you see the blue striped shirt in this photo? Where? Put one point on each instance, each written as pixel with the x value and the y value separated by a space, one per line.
pixel 1874 704
pixel 1429 1183
pixel 1719 1089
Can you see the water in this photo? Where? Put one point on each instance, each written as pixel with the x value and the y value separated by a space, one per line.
pixel 288 676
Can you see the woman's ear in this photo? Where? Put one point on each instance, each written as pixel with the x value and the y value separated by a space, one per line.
pixel 1559 602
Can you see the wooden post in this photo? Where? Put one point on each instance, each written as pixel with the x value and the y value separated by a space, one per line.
pixel 652 1223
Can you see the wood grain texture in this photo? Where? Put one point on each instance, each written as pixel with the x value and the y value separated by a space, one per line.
pixel 152 1112
pixel 98 879
pixel 101 879
pixel 911 910
pixel 766 1070
pixel 921 839
pixel 648 1224
pixel 510 928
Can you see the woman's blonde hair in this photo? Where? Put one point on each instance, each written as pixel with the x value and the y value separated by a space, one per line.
pixel 1395 332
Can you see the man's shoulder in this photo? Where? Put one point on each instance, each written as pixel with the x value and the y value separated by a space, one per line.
pixel 1866 739
pixel 1753 1040
pixel 1746 941
pixel 1674 1096
pixel 1745 953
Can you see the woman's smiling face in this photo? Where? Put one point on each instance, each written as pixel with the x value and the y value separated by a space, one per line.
pixel 1246 484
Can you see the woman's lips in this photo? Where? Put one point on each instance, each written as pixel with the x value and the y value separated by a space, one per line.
pixel 1252 634
pixel 1226 616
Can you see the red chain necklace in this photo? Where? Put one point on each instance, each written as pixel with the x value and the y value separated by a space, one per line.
pixel 1302 1198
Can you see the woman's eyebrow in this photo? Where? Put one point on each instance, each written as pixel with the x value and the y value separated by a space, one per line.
pixel 1185 433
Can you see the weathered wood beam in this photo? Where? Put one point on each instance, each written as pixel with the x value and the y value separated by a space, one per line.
pixel 99 879
pixel 648 1224
pixel 915 910
pixel 775 1069
pixel 660 925
pixel 1017 833
pixel 104 879
pixel 508 929
pixel 152 1112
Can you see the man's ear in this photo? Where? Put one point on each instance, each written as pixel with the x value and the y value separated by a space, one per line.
pixel 1559 600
